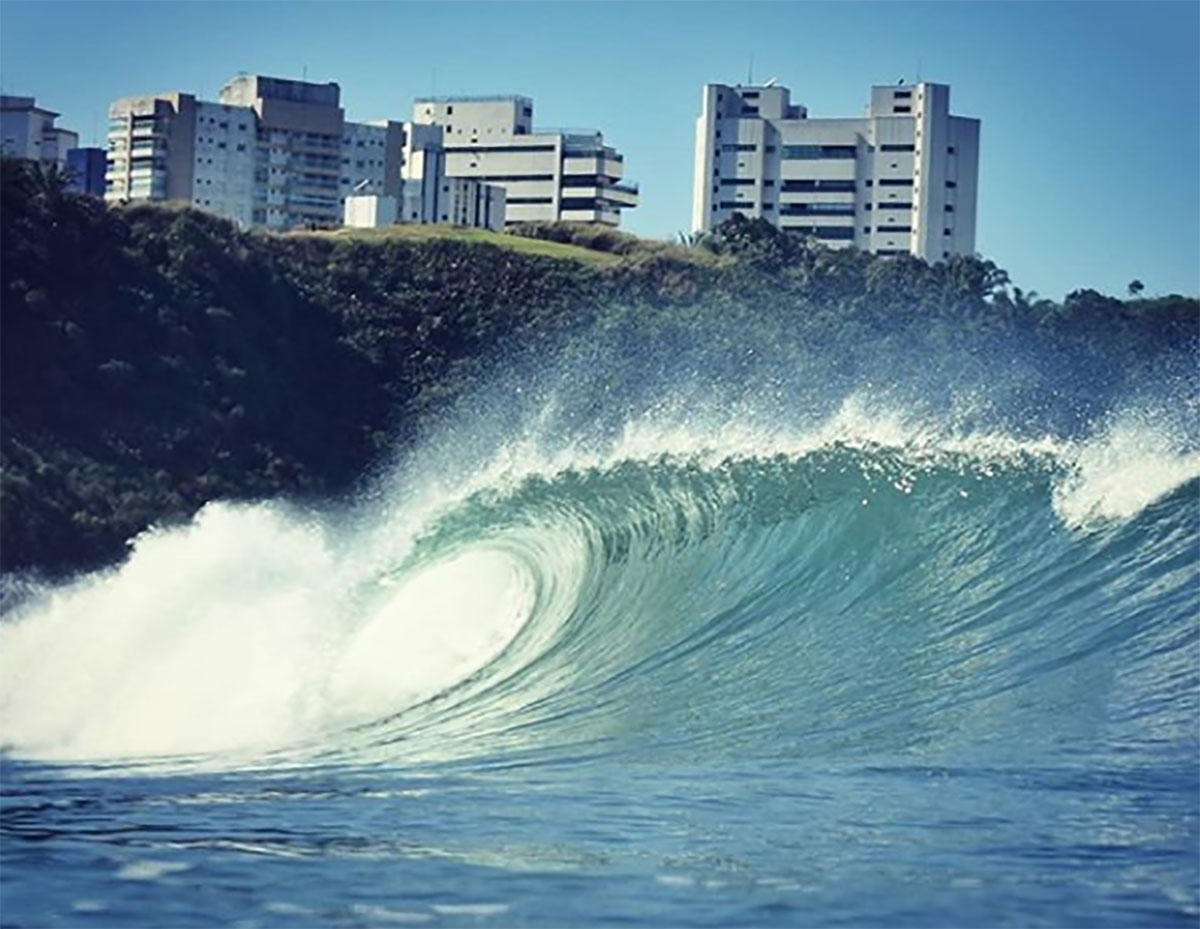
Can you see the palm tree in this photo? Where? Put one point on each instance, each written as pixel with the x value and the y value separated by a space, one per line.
pixel 1135 288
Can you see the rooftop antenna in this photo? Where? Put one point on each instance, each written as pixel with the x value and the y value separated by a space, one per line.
pixel 750 74
pixel 304 73
pixel 362 185
pixel 918 70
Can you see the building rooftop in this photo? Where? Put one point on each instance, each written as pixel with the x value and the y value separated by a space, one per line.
pixel 483 98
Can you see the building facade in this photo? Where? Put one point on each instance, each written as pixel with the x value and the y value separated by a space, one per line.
pixel 900 180
pixel 85 170
pixel 270 153
pixel 28 131
pixel 547 174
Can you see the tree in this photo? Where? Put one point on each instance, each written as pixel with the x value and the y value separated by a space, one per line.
pixel 1135 288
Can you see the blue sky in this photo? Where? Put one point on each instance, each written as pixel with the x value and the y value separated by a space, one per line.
pixel 1090 159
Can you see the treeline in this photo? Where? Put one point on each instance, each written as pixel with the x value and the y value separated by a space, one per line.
pixel 153 359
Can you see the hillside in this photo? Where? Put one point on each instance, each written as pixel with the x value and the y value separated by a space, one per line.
pixel 154 359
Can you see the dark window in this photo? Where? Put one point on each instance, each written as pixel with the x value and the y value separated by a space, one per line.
pixel 527 200
pixel 750 94
pixel 827 209
pixel 738 147
pixel 950 150
pixel 527 111
pixel 946 232
pixel 951 184
pixel 735 205
pixel 811 152
pixel 449 109
pixel 893 228
pixel 768 183
pixel 891 251
pixel 737 182
pixel 949 207
pixel 902 109
pixel 749 110
pixel 903 94
pixel 769 149
pixel 898 205
pixel 822 185
pixel 896 148
pixel 895 182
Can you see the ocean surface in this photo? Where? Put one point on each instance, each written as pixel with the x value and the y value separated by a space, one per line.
pixel 731 657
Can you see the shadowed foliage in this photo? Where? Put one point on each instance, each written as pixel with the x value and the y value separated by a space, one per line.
pixel 152 359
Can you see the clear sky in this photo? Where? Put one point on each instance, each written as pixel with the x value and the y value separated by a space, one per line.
pixel 1090 148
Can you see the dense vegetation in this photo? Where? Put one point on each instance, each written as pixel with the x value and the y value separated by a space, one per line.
pixel 153 359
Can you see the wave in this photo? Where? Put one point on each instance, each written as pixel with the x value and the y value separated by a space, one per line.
pixel 866 584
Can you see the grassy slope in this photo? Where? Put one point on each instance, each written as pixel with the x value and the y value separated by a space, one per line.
pixel 519 244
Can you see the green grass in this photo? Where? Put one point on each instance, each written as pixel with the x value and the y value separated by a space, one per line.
pixel 417 233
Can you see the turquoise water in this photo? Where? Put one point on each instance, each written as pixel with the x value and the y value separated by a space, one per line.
pixel 592 655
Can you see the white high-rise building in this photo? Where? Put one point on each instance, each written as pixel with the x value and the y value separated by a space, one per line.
pixel 272 153
pixel 900 180
pixel 28 131
pixel 547 174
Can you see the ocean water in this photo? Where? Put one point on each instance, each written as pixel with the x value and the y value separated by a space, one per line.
pixel 722 659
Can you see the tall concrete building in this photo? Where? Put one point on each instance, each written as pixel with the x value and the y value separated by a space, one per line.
pixel 28 131
pixel 548 174
pixel 900 180
pixel 270 152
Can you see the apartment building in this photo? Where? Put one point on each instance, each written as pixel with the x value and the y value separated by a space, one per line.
pixel 426 194
pixel 28 131
pixel 547 174
pixel 270 153
pixel 900 180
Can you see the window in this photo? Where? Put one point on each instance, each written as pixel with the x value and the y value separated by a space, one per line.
pixel 738 147
pixel 898 205
pixel 951 184
pixel 827 209
pixel 896 148
pixel 735 204
pixel 893 228
pixel 949 208
pixel 946 232
pixel 903 94
pixel 737 182
pixel 950 150
pixel 750 94
pixel 895 182
pixel 823 185
pixel 449 109
pixel 902 109
pixel 811 152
